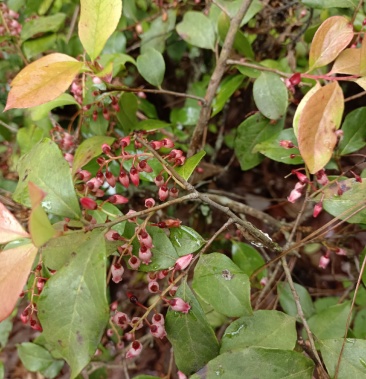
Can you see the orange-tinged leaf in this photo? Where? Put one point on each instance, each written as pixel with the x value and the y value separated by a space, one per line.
pixel 10 229
pixel 361 82
pixel 332 36
pixel 98 20
pixel 42 81
pixel 363 58
pixel 348 62
pixel 15 267
pixel 40 227
pixel 320 118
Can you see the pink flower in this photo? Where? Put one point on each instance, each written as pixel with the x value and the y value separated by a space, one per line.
pixel 321 177
pixel 144 166
pixel 136 323
pixel 83 175
pixel 157 331
pixel 302 178
pixel 181 375
pixel 134 176
pixel 88 203
pixel 93 184
pixel 125 141
pixel 121 319
pixel 174 192
pixel 123 178
pixel 168 143
pixel 145 254
pixel 134 262
pixel 150 202
pixel 158 318
pixel 183 262
pixel 163 192
pixel 296 192
pixel 159 180
pixel 287 144
pixel 117 271
pixel 153 287
pixel 145 239
pixel 134 350
pixel 112 235
pixel 156 145
pixel 179 305
pixel 317 209
pixel 324 261
pixel 340 251
pixel 110 178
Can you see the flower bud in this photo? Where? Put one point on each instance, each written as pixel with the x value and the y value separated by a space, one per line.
pixel 159 180
pixel 150 202
pixel 296 192
pixel 168 143
pixel 88 203
pixel 145 239
pixel 110 178
pixel 106 149
pixel 324 261
pixel 317 209
pixel 83 175
pixel 153 287
pixel 174 192
pixel 134 262
pixel 118 199
pixel 124 179
pixel 125 141
pixel 179 305
pixel 158 318
pixel 163 192
pixel 144 166
pixel 156 145
pixel 157 330
pixel 134 350
pixel 300 176
pixel 183 262
pixel 134 176
pixel 145 254
pixel 287 144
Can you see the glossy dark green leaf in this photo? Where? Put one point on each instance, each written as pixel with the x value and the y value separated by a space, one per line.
pixel 89 149
pixel 194 341
pixel 254 130
pixel 73 326
pixel 151 66
pixel 272 149
pixel 270 329
pixel 331 322
pixel 257 362
pixel 185 240
pixel 353 363
pixel 227 87
pixel 45 24
pixel 348 203
pixel 45 166
pixel 127 114
pixel 197 29
pixel 185 116
pixel 270 95
pixel 220 283
pixel 354 132
pixel 5 329
pixel 247 258
pixel 288 303
pixel 158 32
pixel 190 164
pixel 116 43
pixel 359 325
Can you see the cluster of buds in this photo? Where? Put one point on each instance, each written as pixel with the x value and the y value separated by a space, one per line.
pixel 64 140
pixel 10 17
pixel 77 90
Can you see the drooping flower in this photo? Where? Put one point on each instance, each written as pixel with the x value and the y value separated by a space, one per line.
pixel 179 305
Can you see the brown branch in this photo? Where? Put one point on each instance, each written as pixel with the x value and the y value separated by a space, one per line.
pixel 196 141
pixel 258 67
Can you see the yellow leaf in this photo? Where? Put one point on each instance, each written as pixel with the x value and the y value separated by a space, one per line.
pixel 15 267
pixel 98 20
pixel 348 62
pixel 10 229
pixel 320 118
pixel 332 36
pixel 42 81
pixel 363 58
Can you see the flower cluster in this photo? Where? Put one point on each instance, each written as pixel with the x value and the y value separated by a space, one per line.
pixel 12 27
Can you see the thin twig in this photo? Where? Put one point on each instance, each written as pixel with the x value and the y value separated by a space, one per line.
pixel 157 91
pixel 258 67
pixel 72 23
pixel 350 317
pixel 14 130
pixel 196 141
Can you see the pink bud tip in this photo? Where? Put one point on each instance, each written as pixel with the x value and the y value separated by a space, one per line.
pixel 324 261
pixel 317 209
pixel 118 199
pixel 183 262
pixel 88 203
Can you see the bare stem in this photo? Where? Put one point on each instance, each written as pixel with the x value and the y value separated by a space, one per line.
pixel 196 141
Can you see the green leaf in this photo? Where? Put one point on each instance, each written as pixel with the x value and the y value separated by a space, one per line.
pixel 185 115
pixel 288 303
pixel 185 240
pixel 354 132
pixel 359 325
pixel 324 4
pixel 220 282
pixel 45 166
pixel 254 130
pixel 29 136
pixel 5 328
pixel 87 150
pixel 353 363
pixel 42 111
pixel 36 46
pixel 127 114
pixel 270 95
pixel 247 258
pixel 151 125
pixel 2 370
pixel 257 362
pixel 352 199
pixel 270 329
pixel 98 20
pixel 34 357
pixel 194 341
pixel 330 323
pixel 158 32
pixel 47 24
pixel 227 87
pixel 272 149
pixel 197 30
pixel 190 164
pixel 151 66
pixel 73 326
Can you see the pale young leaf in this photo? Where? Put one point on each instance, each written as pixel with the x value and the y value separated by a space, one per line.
pixel 98 20
pixel 348 62
pixel 363 58
pixel 15 267
pixel 40 227
pixel 333 35
pixel 42 81
pixel 320 118
pixel 10 229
